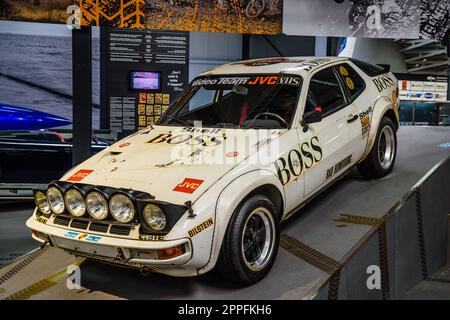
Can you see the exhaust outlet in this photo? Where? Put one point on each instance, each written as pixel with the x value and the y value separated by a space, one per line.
pixel 145 271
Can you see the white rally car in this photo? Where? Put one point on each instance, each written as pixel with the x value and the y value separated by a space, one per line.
pixel 242 149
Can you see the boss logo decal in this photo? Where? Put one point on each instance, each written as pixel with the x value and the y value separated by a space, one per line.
pixel 298 160
pixel 189 139
pixel 383 82
pixel 201 227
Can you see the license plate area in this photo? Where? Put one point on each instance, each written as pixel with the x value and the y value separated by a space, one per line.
pixel 85 247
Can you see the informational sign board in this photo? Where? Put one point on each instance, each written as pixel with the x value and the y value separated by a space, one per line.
pixel 430 89
pixel 144 72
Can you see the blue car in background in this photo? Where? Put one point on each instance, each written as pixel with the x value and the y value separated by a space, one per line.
pixel 20 118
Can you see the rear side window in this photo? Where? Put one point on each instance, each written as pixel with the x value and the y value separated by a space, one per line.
pixel 352 80
pixel 324 92
pixel 371 70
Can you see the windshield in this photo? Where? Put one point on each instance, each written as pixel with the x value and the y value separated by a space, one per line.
pixel 256 101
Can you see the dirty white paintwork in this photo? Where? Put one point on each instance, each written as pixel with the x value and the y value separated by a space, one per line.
pixel 158 159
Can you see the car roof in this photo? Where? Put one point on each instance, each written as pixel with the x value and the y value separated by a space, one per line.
pixel 290 65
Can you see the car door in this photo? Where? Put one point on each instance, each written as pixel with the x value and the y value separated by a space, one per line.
pixel 326 93
pixel 354 87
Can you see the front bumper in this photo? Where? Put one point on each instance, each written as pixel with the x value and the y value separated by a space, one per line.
pixel 133 253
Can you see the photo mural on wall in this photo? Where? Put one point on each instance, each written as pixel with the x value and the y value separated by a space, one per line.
pixel 234 16
pixel 409 19
pixel 353 18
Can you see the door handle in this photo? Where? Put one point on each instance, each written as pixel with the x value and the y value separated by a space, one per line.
pixel 352 117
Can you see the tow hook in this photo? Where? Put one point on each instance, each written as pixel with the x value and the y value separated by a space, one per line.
pixel 145 271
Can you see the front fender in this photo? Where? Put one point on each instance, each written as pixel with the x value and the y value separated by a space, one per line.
pixel 230 198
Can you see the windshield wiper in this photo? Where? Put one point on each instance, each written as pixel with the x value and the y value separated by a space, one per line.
pixel 172 118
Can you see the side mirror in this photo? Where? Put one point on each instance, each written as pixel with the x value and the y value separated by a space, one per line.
pixel 311 117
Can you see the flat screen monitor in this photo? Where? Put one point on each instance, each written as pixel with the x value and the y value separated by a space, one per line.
pixel 145 80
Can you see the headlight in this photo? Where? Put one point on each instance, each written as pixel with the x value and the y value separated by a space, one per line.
pixel 55 200
pixel 154 217
pixel 75 202
pixel 97 205
pixel 41 202
pixel 122 208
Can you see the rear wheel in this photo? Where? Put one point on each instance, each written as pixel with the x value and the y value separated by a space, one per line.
pixel 381 158
pixel 251 241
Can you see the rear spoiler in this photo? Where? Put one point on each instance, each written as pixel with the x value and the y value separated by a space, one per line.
pixel 386 67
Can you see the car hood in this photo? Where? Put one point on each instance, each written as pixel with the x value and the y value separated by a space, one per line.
pixel 173 164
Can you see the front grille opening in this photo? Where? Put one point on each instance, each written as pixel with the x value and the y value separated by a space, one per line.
pixel 99 227
pixel 122 230
pixel 79 224
pixel 62 221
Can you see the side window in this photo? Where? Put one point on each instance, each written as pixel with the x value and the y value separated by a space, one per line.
pixel 354 83
pixel 324 93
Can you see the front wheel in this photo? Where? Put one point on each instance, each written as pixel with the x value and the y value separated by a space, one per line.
pixel 251 241
pixel 381 158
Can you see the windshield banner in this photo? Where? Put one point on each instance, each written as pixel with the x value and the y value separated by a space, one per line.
pixel 250 81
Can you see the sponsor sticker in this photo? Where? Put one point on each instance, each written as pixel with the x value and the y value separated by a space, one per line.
pixel 338 167
pixel 343 71
pixel 201 227
pixel 93 238
pixel 71 234
pixel 150 237
pixel 232 154
pixel 42 219
pixel 80 175
pixel 350 83
pixel 123 145
pixel 82 236
pixel 188 185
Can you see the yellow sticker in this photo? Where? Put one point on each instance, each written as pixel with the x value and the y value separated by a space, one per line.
pixel 343 71
pixel 394 97
pixel 350 83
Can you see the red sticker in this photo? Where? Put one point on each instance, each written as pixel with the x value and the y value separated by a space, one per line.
pixel 232 154
pixel 80 175
pixel 126 144
pixel 188 185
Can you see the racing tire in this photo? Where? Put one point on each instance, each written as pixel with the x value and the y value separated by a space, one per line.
pixel 250 244
pixel 381 158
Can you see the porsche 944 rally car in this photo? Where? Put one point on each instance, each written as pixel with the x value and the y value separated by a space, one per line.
pixel 242 149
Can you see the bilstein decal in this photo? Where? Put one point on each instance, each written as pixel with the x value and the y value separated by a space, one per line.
pixel 188 185
pixel 201 227
pixel 80 175
pixel 298 160
pixel 383 82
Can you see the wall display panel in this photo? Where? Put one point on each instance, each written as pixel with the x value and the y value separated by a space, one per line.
pixel 425 88
pixel 144 72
